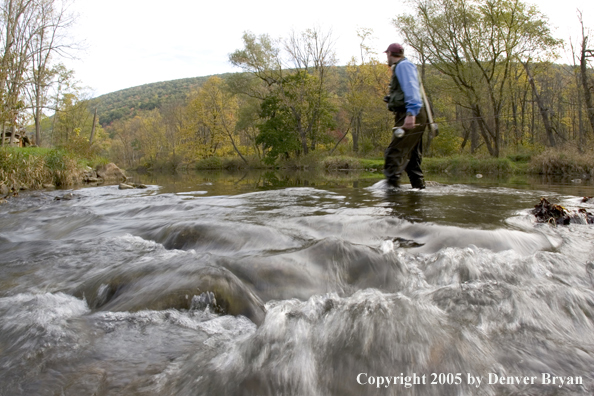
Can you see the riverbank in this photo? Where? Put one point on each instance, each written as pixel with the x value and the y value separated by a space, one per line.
pixel 36 168
pixel 566 162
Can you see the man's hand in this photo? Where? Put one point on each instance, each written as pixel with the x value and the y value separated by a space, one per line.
pixel 409 122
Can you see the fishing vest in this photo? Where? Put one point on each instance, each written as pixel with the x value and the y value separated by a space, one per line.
pixel 396 101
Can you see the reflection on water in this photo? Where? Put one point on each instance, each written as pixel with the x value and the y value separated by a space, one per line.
pixel 250 180
pixel 233 182
pixel 270 283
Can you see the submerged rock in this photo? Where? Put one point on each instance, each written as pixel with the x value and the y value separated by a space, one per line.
pixel 66 197
pixel 126 186
pixel 214 287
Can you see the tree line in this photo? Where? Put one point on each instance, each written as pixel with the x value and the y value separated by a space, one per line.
pixel 487 66
pixel 495 57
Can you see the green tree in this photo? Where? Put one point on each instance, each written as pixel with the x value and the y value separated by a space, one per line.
pixel 278 134
pixel 301 92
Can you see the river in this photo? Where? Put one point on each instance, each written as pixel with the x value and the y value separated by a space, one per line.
pixel 301 284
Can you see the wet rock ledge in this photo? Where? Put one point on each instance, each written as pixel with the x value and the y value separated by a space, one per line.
pixel 110 173
pixel 104 173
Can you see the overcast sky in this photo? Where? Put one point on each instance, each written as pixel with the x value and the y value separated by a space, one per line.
pixel 135 42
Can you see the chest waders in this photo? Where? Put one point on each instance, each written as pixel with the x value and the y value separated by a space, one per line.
pixel 404 153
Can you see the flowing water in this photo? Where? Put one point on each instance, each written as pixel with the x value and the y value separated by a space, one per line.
pixel 266 285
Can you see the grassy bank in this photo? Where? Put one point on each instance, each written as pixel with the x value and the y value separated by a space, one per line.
pixel 552 162
pixel 569 162
pixel 34 167
pixel 564 162
pixel 454 165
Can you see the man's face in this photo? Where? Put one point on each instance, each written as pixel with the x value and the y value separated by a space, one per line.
pixel 390 59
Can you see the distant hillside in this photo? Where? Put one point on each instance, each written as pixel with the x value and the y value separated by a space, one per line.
pixel 125 103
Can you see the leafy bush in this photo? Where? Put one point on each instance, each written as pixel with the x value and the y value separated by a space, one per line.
pixel 447 143
pixel 334 163
pixel 520 157
pixel 209 163
pixel 233 163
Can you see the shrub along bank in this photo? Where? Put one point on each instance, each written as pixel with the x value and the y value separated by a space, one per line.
pixel 34 168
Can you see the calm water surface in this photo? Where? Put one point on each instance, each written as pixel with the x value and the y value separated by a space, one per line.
pixel 296 284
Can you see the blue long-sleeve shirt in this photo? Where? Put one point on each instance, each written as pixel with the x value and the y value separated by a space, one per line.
pixel 408 77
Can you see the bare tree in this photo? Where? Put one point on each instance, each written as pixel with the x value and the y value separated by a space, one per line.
pixel 543 110
pixel 476 44
pixel 31 32
pixel 586 85
pixel 48 39
pixel 17 16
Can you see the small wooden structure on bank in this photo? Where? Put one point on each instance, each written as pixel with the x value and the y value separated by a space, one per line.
pixel 19 139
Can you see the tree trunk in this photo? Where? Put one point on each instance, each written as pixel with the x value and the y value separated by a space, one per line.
pixel 37 130
pixel 581 131
pixel 303 136
pixel 584 71
pixel 474 137
pixel 233 142
pixel 93 128
pixel 544 112
pixel 37 116
pixel 485 133
pixel 356 132
pixel 340 140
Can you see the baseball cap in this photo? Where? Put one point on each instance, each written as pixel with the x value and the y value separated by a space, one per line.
pixel 395 48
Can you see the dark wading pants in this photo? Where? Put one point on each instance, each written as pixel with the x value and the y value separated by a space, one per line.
pixel 406 153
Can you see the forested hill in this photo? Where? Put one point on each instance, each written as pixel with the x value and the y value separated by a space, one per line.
pixel 127 102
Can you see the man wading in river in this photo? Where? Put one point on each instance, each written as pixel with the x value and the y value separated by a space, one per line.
pixel 405 151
